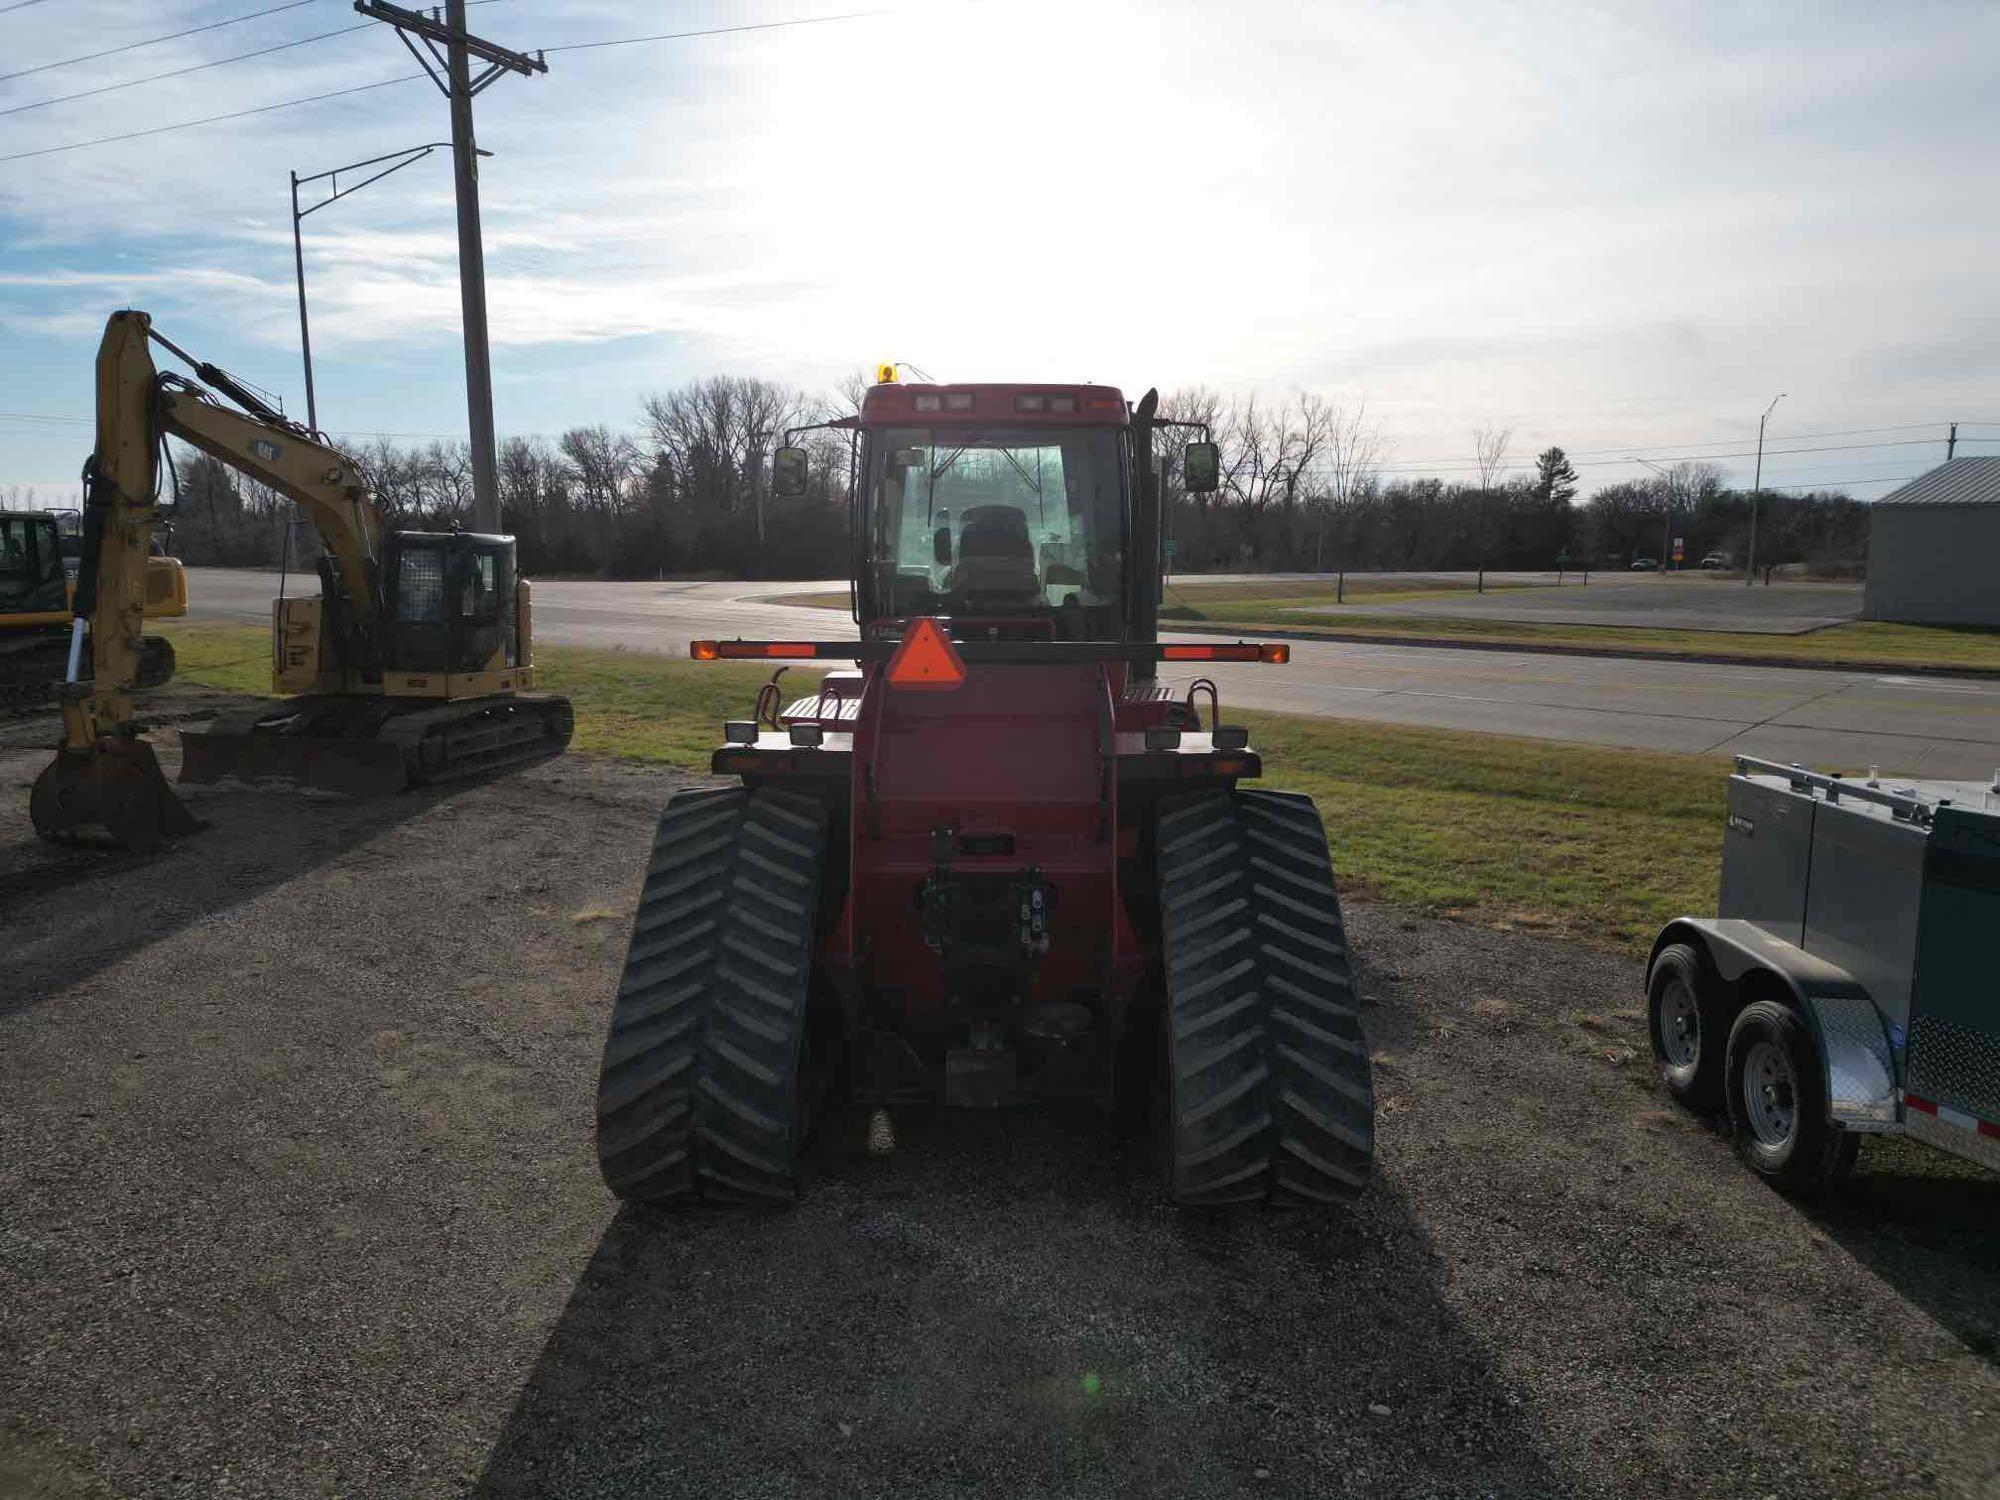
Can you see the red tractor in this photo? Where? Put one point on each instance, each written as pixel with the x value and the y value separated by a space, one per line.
pixel 1001 857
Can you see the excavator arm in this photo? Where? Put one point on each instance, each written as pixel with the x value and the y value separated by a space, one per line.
pixel 104 775
pixel 322 479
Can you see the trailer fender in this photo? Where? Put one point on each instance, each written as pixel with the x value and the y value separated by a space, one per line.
pixel 1854 1050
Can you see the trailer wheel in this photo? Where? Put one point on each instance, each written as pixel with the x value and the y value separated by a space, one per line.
pixel 1689 1029
pixel 1268 1098
pixel 1777 1101
pixel 700 1093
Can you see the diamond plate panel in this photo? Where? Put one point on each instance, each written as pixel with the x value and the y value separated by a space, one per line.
pixel 1956 1066
pixel 1860 1079
pixel 1932 1131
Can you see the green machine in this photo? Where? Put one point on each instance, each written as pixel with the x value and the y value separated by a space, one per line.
pixel 1846 985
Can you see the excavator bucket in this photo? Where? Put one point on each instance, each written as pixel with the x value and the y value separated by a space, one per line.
pixel 356 767
pixel 117 786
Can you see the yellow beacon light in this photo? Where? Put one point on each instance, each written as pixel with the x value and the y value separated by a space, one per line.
pixel 885 374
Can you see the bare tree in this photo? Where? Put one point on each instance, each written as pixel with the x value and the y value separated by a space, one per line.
pixel 1353 447
pixel 1490 444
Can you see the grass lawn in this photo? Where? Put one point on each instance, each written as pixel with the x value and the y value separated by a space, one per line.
pixel 1869 643
pixel 1276 606
pixel 1603 845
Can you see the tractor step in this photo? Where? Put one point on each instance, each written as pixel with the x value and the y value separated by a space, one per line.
pixel 1269 1095
pixel 700 1094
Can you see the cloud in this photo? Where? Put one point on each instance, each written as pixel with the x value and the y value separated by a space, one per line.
pixel 1599 224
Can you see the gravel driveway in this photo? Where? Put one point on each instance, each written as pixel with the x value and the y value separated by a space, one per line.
pixel 297 1197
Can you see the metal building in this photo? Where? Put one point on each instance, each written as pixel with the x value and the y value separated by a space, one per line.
pixel 1934 548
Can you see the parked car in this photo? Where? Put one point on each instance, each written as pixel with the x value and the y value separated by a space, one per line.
pixel 1717 560
pixel 1645 565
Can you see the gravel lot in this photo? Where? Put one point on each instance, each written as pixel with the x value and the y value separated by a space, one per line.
pixel 297 1197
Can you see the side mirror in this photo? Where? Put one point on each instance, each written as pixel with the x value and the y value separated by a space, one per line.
pixel 1201 468
pixel 788 473
pixel 941 545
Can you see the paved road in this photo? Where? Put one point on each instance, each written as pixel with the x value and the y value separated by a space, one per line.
pixel 1836 720
pixel 1689 601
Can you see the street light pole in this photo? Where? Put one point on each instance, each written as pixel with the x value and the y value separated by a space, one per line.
pixel 1756 489
pixel 398 160
pixel 305 335
pixel 1666 507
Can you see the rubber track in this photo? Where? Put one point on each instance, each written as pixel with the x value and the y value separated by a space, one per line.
pixel 697 1097
pixel 1270 1096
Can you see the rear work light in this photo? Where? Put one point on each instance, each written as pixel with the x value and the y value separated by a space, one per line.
pixel 927 403
pixel 748 650
pixel 948 401
pixel 958 401
pixel 1276 653
pixel 1062 403
pixel 1034 401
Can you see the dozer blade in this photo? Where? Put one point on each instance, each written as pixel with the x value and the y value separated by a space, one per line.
pixel 118 786
pixel 359 768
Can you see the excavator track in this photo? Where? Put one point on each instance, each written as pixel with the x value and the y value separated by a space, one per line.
pixel 1269 1095
pixel 369 746
pixel 699 1097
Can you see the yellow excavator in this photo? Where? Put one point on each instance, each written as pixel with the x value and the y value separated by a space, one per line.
pixel 414 664
pixel 39 561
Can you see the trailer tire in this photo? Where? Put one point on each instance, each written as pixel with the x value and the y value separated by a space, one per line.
pixel 1268 1097
pixel 1777 1102
pixel 700 1096
pixel 1688 1024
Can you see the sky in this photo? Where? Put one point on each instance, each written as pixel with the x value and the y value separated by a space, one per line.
pixel 1621 228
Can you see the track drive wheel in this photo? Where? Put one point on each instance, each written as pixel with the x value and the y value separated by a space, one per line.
pixel 1269 1098
pixel 699 1098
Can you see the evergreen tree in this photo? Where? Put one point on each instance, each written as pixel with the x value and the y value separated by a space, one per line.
pixel 1555 477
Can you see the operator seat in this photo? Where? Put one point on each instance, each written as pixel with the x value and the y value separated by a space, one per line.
pixel 995 555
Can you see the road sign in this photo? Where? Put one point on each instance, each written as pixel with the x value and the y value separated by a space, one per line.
pixel 1678 549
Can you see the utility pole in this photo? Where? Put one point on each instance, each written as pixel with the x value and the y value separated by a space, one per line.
pixel 1951 443
pixel 1756 489
pixel 458 85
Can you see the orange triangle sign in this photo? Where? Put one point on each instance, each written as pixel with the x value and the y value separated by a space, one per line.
pixel 926 661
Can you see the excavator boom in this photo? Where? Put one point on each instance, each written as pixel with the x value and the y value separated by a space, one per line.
pixel 104 775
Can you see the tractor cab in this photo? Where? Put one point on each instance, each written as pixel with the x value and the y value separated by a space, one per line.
pixel 1012 506
pixel 995 503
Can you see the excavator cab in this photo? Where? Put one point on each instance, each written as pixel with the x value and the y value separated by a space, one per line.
pixel 452 602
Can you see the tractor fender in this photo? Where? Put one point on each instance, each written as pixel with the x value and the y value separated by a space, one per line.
pixel 1855 1054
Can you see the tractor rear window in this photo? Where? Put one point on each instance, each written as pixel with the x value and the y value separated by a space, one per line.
pixel 997 522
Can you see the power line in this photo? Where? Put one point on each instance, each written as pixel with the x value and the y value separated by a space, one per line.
pixel 676 36
pixel 1460 465
pixel 17 5
pixel 133 83
pixel 670 36
pixel 241 114
pixel 172 36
